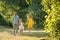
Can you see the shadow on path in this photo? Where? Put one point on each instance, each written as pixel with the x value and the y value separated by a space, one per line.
pixel 38 34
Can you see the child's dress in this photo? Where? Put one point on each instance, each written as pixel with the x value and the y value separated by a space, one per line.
pixel 21 27
pixel 30 23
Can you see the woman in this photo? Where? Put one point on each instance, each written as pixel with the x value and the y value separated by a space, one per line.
pixel 30 22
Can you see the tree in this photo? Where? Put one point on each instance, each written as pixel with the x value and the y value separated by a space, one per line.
pixel 38 14
pixel 8 6
pixel 52 8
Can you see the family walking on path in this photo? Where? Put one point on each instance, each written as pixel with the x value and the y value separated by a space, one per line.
pixel 18 23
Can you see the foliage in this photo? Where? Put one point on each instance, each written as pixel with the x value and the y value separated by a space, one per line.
pixel 23 7
pixel 2 21
pixel 38 14
pixel 8 6
pixel 29 1
pixel 52 23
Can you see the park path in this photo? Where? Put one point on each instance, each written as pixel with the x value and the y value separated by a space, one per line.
pixel 7 34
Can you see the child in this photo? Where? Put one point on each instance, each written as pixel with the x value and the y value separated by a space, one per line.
pixel 30 22
pixel 21 26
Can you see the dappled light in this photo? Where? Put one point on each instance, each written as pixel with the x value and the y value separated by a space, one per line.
pixel 40 19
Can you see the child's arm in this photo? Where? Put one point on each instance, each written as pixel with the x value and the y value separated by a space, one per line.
pixel 25 24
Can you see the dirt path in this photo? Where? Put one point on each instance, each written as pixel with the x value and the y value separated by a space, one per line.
pixel 7 34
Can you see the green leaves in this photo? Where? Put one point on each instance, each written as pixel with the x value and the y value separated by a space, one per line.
pixel 1 5
pixel 28 1
pixel 8 6
pixel 53 19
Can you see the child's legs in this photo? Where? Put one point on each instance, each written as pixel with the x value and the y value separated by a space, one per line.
pixel 21 31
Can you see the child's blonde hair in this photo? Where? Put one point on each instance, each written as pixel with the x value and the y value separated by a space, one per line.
pixel 20 19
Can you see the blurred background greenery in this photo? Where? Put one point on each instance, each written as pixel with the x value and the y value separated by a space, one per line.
pixel 23 8
pixel 46 13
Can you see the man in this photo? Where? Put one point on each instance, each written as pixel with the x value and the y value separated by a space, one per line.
pixel 15 19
